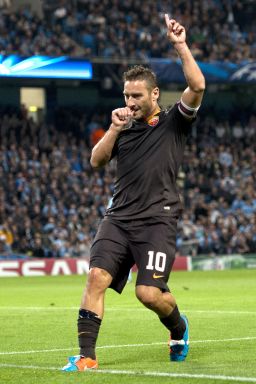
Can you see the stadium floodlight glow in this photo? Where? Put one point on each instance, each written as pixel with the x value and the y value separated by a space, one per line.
pixel 62 67
pixel 32 108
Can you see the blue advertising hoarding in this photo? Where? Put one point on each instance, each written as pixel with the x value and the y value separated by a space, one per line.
pixel 168 70
pixel 62 67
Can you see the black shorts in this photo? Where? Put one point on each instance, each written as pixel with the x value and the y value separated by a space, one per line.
pixel 148 243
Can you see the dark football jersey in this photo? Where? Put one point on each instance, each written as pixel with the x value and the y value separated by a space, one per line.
pixel 149 155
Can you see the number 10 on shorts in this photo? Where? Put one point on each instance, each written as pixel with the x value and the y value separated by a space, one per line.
pixel 156 261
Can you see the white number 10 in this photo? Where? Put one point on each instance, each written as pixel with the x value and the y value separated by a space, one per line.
pixel 157 261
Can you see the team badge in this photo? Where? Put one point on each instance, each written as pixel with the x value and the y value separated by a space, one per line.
pixel 154 121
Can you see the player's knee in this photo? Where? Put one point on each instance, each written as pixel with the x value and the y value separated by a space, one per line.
pixel 147 295
pixel 98 279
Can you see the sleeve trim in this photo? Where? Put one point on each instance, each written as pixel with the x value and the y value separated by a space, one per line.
pixel 187 111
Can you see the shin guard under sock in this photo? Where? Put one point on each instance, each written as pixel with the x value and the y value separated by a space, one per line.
pixel 175 324
pixel 88 324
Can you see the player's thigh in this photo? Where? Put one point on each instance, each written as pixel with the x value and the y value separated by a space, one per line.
pixel 108 255
pixel 155 253
pixel 110 252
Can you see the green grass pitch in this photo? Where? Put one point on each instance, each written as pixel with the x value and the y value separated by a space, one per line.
pixel 38 331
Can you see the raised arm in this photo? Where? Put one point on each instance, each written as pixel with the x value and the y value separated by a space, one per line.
pixel 101 152
pixel 193 94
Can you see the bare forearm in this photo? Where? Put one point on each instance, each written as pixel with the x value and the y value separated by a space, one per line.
pixel 192 72
pixel 101 152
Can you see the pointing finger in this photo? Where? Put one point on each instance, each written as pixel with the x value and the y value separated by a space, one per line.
pixel 167 20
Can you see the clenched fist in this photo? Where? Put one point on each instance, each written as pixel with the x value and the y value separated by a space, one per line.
pixel 120 118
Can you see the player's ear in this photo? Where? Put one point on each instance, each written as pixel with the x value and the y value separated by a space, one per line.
pixel 155 93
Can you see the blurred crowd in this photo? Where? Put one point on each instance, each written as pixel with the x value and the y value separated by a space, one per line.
pixel 219 188
pixel 25 33
pixel 51 201
pixel 222 30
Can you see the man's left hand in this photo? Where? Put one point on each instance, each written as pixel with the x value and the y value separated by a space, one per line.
pixel 175 32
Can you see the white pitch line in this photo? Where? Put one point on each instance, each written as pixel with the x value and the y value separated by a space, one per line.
pixel 144 373
pixel 36 351
pixel 223 312
pixel 127 345
pixel 28 367
pixel 178 375
pixel 114 309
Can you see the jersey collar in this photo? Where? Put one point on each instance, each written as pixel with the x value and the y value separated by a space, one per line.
pixel 156 111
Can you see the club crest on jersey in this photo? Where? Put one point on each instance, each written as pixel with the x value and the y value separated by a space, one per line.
pixel 153 121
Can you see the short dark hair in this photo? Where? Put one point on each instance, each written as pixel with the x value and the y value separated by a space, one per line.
pixel 138 72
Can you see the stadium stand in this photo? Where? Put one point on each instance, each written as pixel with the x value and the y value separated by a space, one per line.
pixel 46 178
pixel 25 33
pixel 115 29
